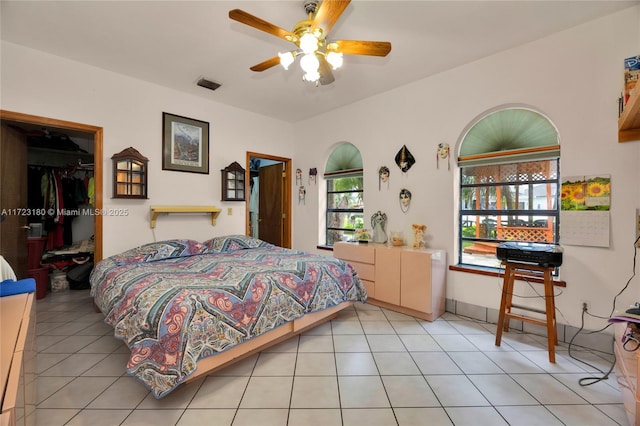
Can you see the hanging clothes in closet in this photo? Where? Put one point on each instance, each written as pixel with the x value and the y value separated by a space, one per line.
pixel 57 194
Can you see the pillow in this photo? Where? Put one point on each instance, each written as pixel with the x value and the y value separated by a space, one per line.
pixel 232 243
pixel 158 250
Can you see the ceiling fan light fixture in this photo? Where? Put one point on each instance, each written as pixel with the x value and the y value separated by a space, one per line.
pixel 309 43
pixel 335 59
pixel 286 59
pixel 312 76
pixel 310 64
pixel 310 38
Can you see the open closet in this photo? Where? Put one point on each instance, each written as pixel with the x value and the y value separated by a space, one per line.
pixel 59 208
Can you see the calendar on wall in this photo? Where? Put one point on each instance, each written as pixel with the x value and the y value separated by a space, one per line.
pixel 584 213
pixel 584 228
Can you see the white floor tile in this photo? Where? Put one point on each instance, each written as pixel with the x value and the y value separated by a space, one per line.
pixel 314 417
pixel 220 392
pixel 350 343
pixel 583 415
pixel 356 364
pixel 368 416
pixel 385 343
pixel 456 391
pixel 378 327
pixel 422 417
pixel 419 342
pixel 54 417
pixel 316 364
pixel 125 392
pixel 315 392
pixel 475 416
pixel 454 342
pixel 501 389
pixel 153 417
pixel 267 392
pixel 78 393
pixel 209 417
pixel 362 392
pixel 409 391
pixel 547 390
pixel 261 417
pixel 275 364
pixel 369 366
pixel 475 363
pixel 536 415
pixel 89 417
pixel 435 363
pixel 393 364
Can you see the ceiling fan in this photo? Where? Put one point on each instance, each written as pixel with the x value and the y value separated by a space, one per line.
pixel 319 57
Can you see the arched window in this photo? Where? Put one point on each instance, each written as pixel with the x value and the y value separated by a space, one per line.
pixel 345 193
pixel 509 183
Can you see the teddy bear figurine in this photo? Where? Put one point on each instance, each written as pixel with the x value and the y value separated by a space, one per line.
pixel 418 235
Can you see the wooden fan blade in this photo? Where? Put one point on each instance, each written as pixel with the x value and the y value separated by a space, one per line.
pixel 359 47
pixel 326 75
pixel 328 14
pixel 260 24
pixel 271 62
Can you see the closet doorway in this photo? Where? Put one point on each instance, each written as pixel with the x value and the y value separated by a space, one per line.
pixel 14 158
pixel 269 203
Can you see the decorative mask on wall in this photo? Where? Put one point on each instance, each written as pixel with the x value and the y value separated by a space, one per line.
pixel 405 200
pixel 313 173
pixel 404 159
pixel 302 192
pixel 298 177
pixel 443 154
pixel 383 177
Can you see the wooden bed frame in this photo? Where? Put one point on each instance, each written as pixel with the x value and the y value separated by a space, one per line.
pixel 286 331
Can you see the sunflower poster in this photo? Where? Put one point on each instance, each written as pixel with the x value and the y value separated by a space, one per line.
pixel 586 193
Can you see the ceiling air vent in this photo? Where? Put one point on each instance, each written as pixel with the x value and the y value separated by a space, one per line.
pixel 211 85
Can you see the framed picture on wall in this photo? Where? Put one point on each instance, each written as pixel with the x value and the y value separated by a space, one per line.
pixel 185 144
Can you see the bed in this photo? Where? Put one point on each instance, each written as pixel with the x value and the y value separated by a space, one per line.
pixel 186 308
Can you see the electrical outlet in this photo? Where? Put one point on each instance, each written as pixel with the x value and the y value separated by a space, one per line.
pixel 585 305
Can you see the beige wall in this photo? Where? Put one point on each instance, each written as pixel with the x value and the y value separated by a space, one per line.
pixel 573 77
pixel 130 111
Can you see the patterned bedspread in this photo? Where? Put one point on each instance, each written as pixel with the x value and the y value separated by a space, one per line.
pixel 173 311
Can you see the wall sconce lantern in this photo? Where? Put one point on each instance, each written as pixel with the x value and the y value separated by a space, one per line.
pixel 130 170
pixel 233 182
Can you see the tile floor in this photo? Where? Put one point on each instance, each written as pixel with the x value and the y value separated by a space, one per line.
pixel 367 367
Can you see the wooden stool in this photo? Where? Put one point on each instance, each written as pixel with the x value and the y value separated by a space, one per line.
pixel 512 272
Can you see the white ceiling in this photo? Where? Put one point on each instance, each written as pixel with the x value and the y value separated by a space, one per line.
pixel 174 43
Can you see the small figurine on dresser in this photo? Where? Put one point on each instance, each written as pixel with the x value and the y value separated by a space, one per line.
pixel 379 225
pixel 418 235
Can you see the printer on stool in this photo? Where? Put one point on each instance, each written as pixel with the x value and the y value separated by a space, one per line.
pixel 545 255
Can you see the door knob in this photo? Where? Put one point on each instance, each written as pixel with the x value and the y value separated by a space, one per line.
pixel 25 227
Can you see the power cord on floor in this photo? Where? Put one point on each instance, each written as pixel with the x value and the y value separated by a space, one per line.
pixel 586 381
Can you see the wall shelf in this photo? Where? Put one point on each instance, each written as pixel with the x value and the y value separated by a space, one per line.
pixel 629 121
pixel 157 210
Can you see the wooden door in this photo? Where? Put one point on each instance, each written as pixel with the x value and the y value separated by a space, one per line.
pixel 271 205
pixel 13 199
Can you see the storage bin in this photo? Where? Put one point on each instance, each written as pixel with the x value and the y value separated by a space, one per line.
pixel 59 281
pixel 35 230
pixel 41 275
pixel 35 248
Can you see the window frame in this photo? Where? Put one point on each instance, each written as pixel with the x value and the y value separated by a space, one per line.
pixel 514 212
pixel 330 193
